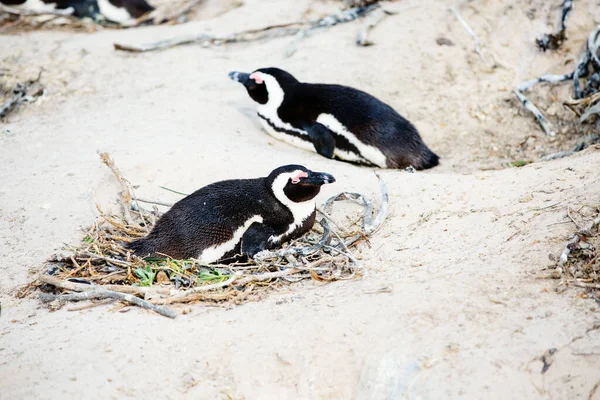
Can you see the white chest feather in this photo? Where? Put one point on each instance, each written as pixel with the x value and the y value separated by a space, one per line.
pixel 216 252
pixel 113 13
pixel 300 211
pixel 285 137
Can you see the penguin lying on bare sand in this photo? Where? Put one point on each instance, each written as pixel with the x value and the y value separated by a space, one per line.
pixel 237 217
pixel 335 121
pixel 119 11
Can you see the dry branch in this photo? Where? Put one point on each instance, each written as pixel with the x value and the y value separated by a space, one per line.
pixel 126 194
pixel 587 285
pixel 588 230
pixel 542 120
pixel 23 92
pixel 372 20
pixel 587 61
pixel 82 287
pixel 553 41
pixel 100 294
pixel 268 32
pixel 470 31
pixel 181 297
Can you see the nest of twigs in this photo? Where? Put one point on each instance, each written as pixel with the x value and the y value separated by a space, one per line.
pixel 101 267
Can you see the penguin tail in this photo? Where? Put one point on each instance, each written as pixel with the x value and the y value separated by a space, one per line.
pixel 142 247
pixel 427 160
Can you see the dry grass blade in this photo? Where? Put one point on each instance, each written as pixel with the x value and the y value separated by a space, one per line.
pixel 125 187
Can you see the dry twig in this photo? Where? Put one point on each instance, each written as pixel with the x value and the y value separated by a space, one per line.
pixel 23 92
pixel 126 194
pixel 587 61
pixel 100 294
pixel 586 231
pixel 268 32
pixel 553 41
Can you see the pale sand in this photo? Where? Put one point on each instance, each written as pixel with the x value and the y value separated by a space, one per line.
pixel 462 316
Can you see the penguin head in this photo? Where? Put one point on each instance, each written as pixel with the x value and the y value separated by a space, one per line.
pixel 264 84
pixel 296 183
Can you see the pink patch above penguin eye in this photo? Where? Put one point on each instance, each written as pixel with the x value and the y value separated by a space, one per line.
pixel 296 178
pixel 256 78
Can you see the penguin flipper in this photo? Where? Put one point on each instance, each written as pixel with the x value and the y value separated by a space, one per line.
pixel 256 239
pixel 322 139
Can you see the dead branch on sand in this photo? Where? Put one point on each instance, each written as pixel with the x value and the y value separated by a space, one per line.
pixel 126 192
pixel 586 99
pixel 23 92
pixel 362 39
pixel 470 31
pixel 588 230
pixel 101 294
pixel 269 32
pixel 581 145
pixel 553 41
pixel 101 264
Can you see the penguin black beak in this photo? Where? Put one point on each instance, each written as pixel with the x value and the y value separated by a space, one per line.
pixel 318 178
pixel 241 77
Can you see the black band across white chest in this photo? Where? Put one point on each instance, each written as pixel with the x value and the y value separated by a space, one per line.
pixel 340 141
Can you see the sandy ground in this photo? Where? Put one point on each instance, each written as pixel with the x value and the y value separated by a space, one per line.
pixel 452 306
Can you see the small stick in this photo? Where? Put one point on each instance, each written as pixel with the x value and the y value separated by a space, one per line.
pixel 557 155
pixel 362 39
pixel 174 191
pixel 374 225
pixel 20 95
pixel 267 276
pixel 593 391
pixel 564 256
pixel 160 203
pixel 553 41
pixel 109 259
pixel 180 297
pixel 101 294
pixel 298 251
pixel 477 45
pixel 544 123
pixel 125 191
pixel 593 43
pixel 82 287
pixel 595 109
pixel 91 305
pixel 165 44
pixel 587 285
pixel 571 218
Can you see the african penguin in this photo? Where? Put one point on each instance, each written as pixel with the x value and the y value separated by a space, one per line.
pixel 123 12
pixel 237 218
pixel 335 121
